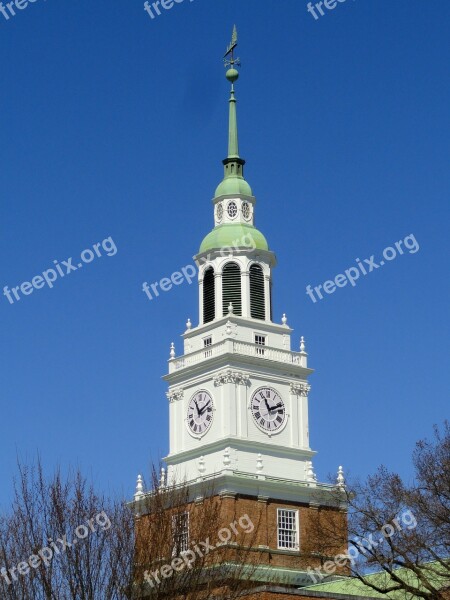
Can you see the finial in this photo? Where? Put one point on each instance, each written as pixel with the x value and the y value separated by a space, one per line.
pixel 188 325
pixel 233 179
pixel 232 75
pixel 302 344
pixel 230 308
pixel 284 319
pixel 139 488
pixel 310 475
pixel 172 350
pixel 341 478
pixel 162 479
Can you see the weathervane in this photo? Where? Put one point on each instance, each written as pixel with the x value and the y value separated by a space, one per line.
pixel 231 61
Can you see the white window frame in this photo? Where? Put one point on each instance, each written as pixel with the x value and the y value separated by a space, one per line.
pixel 180 540
pixel 259 348
pixel 207 343
pixel 296 545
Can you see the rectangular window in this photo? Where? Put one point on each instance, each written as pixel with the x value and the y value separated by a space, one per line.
pixel 260 340
pixel 207 342
pixel 180 533
pixel 288 534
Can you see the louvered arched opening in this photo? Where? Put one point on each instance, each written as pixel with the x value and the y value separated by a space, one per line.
pixel 231 286
pixel 257 299
pixel 209 296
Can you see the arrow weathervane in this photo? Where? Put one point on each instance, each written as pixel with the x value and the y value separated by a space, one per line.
pixel 230 62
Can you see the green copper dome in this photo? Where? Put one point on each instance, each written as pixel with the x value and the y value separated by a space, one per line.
pixel 233 185
pixel 239 234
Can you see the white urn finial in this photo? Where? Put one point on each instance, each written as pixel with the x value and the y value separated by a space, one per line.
pixel 162 479
pixel 341 478
pixel 230 308
pixel 188 325
pixel 284 319
pixel 139 488
pixel 172 350
pixel 310 475
pixel 302 344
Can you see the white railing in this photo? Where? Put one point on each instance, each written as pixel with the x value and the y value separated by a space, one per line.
pixel 234 347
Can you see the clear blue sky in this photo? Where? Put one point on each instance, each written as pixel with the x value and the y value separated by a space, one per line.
pixel 114 124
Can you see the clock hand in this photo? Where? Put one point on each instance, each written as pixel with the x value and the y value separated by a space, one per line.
pixel 203 409
pixel 265 400
pixel 196 405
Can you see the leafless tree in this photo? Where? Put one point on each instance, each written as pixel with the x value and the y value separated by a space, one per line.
pixel 63 541
pixel 401 529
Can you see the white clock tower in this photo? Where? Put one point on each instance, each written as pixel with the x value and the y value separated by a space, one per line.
pixel 238 398
pixel 238 393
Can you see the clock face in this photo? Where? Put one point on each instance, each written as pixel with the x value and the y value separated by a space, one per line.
pixel 268 410
pixel 200 413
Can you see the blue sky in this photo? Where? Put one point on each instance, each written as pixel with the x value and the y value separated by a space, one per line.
pixel 114 124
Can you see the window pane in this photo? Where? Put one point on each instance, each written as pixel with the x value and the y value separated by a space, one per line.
pixel 287 529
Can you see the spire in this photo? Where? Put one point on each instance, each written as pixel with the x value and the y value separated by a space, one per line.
pixel 233 181
pixel 232 75
pixel 233 141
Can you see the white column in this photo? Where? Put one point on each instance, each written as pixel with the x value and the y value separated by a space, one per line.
pixel 267 295
pixel 200 300
pixel 218 293
pixel 303 426
pixel 245 293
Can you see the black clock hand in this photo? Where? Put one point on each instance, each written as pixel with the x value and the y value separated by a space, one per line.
pixel 203 409
pixel 196 405
pixel 265 400
pixel 277 406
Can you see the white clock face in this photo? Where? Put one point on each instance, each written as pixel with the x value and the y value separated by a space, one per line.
pixel 268 410
pixel 200 413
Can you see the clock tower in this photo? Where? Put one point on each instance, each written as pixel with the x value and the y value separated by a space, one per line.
pixel 238 392
pixel 238 389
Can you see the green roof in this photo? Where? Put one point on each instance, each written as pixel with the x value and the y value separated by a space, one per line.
pixel 233 185
pixel 234 235
pixel 351 586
